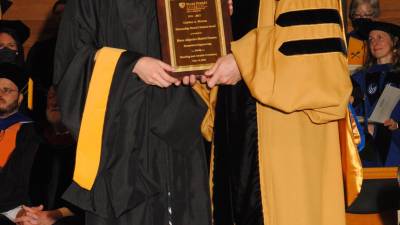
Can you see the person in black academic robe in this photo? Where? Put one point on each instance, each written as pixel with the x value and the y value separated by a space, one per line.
pixel 52 171
pixel 14 33
pixel 153 167
pixel 18 144
pixel 14 176
pixel 40 61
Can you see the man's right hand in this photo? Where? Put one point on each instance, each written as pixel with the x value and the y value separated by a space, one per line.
pixel 224 72
pixel 154 72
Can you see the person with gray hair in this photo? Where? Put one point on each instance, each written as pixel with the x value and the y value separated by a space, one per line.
pixel 360 11
pixel 364 9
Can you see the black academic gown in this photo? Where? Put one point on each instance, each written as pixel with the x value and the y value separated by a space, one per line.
pixel 237 194
pixel 236 181
pixel 52 174
pixel 153 168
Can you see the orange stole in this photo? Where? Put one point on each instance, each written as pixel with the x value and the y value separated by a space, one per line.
pixel 357 51
pixel 88 150
pixel 7 142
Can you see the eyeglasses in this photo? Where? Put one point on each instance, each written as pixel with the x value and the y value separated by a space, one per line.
pixel 7 91
pixel 361 15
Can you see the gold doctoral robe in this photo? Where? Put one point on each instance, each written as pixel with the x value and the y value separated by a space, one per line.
pixel 295 66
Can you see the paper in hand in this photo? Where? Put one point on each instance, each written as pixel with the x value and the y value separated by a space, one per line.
pixel 385 105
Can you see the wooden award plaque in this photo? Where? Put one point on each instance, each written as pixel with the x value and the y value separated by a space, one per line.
pixel 194 33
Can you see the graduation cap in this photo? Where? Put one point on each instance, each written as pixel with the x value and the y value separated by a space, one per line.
pixel 366 26
pixel 16 28
pixel 15 74
pixel 5 4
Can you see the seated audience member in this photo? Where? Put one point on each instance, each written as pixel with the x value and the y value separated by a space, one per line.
pixel 360 11
pixel 13 34
pixel 40 61
pixel 52 171
pixel 382 68
pixel 18 144
pixel 367 9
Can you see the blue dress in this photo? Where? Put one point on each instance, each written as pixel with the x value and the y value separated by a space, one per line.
pixel 383 146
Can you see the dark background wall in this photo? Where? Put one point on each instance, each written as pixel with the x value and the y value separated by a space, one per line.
pixel 35 12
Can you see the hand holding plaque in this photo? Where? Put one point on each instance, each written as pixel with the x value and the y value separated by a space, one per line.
pixel 194 33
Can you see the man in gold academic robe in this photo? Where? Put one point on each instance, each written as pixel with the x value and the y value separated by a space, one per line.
pixel 294 64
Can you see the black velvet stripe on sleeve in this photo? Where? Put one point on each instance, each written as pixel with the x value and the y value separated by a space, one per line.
pixel 308 17
pixel 312 46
